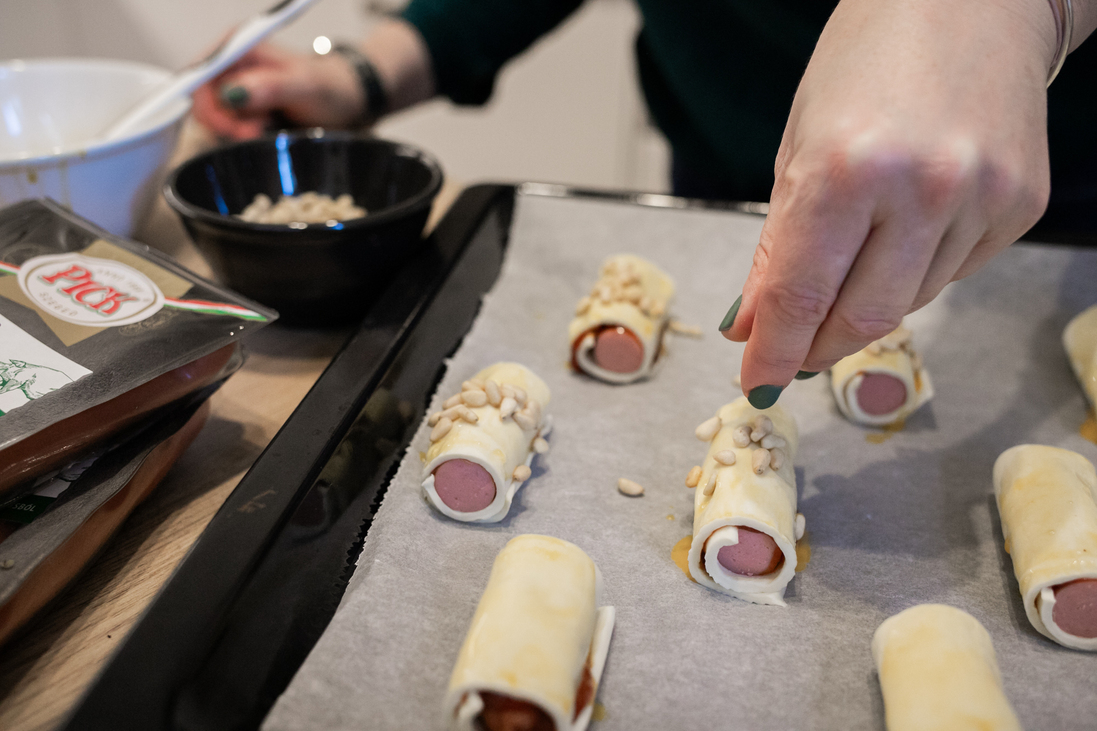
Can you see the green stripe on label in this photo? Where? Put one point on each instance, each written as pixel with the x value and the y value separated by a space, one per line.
pixel 26 509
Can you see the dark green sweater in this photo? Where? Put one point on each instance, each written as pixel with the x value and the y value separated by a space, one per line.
pixel 719 77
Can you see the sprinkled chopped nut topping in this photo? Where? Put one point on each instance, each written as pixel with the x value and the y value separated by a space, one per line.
pixel 521 473
pixel 524 420
pixel 620 282
pixel 707 430
pixel 630 488
pixel 770 441
pixel 491 388
pixel 540 445
pixel 474 399
pixel 710 486
pixel 760 461
pixel 741 436
pixel 693 477
pixel 725 457
pixel 440 429
pixel 762 426
pixel 681 328
pixel 467 414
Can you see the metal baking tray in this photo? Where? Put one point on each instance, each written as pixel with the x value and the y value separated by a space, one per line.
pixel 237 618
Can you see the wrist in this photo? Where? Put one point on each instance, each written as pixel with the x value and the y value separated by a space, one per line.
pixel 370 90
pixel 1063 13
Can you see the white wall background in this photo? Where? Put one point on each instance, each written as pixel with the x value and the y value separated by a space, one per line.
pixel 568 111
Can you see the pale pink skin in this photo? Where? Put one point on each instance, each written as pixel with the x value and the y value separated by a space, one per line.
pixel 880 394
pixel 915 150
pixel 1075 609
pixel 618 350
pixel 464 486
pixel 756 554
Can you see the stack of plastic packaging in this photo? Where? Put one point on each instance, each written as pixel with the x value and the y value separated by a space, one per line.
pixel 109 351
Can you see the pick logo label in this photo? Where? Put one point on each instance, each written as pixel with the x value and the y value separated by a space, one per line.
pixel 85 290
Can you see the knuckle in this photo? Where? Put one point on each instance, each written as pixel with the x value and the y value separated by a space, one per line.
pixel 864 327
pixel 772 362
pixel 800 304
pixel 942 179
pixel 760 260
pixel 819 364
pixel 1015 191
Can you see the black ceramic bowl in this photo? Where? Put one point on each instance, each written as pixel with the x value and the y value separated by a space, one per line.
pixel 316 273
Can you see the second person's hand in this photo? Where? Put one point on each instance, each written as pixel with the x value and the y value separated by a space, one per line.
pixel 307 89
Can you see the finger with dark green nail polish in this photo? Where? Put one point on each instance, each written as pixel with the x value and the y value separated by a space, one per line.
pixel 804 375
pixel 234 97
pixel 729 318
pixel 762 397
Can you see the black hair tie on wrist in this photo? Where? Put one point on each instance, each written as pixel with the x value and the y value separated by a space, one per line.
pixel 375 99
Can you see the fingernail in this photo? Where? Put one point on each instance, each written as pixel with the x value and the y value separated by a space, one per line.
pixel 234 97
pixel 762 397
pixel 729 318
pixel 804 375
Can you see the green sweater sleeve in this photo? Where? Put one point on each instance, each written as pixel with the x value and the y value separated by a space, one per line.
pixel 470 40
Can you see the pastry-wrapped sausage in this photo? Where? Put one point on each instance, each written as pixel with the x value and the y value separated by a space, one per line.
pixel 483 442
pixel 537 644
pixel 618 329
pixel 938 670
pixel 1080 341
pixel 1046 500
pixel 882 383
pixel 745 524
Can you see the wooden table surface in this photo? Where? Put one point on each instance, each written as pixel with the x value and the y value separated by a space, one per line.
pixel 47 666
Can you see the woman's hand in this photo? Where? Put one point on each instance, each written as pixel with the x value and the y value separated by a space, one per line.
pixel 309 90
pixel 316 91
pixel 916 150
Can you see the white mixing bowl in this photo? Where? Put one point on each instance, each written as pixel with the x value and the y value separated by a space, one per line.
pixel 50 113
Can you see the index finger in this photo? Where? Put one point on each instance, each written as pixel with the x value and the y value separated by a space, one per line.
pixel 805 252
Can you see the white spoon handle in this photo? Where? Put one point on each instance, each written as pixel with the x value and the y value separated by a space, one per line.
pixel 186 81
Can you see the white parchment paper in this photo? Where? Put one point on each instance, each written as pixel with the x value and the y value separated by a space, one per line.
pixel 890 524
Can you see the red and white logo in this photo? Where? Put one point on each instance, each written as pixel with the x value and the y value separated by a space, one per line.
pixel 85 290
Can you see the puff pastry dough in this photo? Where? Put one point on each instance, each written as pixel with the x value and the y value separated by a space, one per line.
pixel 757 491
pixel 892 355
pixel 537 633
pixel 1046 500
pixel 938 671
pixel 1080 341
pixel 500 439
pixel 631 293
